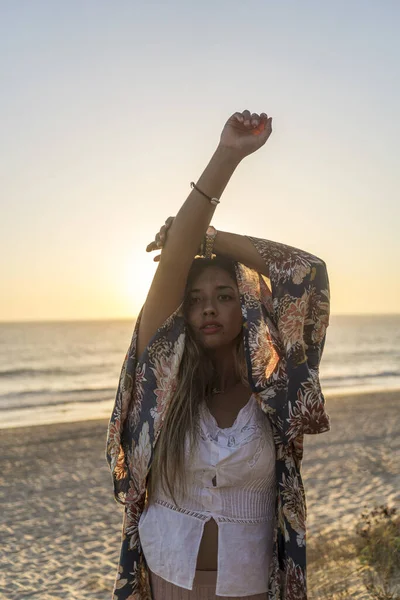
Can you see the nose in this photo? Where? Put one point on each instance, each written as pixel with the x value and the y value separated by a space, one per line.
pixel 209 310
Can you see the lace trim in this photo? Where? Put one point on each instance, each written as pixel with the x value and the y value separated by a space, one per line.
pixel 203 517
pixel 242 418
pixel 186 511
pixel 245 521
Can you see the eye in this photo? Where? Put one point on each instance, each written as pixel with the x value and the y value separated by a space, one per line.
pixel 193 300
pixel 226 296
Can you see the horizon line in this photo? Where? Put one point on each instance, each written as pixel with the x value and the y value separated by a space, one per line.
pixel 133 318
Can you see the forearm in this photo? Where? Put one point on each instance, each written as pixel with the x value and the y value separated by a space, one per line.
pixel 192 220
pixel 266 256
pixel 240 249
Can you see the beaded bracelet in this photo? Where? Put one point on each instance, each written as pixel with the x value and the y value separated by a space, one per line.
pixel 213 201
pixel 203 246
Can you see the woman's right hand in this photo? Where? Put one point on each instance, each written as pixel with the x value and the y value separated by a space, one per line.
pixel 244 133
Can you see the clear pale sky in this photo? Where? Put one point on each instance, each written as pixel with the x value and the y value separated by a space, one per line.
pixel 109 110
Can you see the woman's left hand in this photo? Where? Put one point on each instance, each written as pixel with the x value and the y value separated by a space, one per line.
pixel 159 240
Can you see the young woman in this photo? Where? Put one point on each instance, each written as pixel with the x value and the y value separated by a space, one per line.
pixel 216 391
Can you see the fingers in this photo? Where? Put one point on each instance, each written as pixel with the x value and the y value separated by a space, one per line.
pixel 255 120
pixel 252 120
pixel 152 246
pixel 162 234
pixel 160 238
pixel 238 116
pixel 246 117
pixel 264 125
pixel 155 245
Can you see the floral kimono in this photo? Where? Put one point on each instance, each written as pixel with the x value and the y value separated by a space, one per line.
pixel 284 333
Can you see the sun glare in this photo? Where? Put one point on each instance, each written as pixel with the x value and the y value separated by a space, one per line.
pixel 136 279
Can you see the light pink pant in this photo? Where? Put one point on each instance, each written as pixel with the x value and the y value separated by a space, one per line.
pixel 203 589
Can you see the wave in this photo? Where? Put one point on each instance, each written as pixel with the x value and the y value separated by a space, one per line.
pixel 53 403
pixel 382 374
pixel 26 372
pixel 29 372
pixel 47 392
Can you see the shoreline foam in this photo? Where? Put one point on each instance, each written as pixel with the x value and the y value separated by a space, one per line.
pixel 79 411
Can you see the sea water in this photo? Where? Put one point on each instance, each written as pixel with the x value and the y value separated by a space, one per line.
pixel 69 370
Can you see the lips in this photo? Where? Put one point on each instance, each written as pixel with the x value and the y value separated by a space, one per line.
pixel 210 324
pixel 211 327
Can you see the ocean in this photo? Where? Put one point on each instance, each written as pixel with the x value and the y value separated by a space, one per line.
pixel 69 370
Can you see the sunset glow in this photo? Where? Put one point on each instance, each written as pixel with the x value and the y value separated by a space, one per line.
pixel 103 129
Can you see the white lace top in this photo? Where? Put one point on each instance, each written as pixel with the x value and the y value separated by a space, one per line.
pixel 232 480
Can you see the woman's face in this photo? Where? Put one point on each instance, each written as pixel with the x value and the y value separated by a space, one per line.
pixel 214 298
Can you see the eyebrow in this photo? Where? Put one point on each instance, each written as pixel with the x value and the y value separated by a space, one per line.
pixel 219 287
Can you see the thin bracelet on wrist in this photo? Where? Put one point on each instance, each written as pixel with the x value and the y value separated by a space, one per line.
pixel 212 200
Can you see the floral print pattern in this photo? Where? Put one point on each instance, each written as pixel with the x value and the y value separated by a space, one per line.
pixel 284 332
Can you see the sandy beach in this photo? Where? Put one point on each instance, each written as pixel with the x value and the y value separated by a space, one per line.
pixel 61 528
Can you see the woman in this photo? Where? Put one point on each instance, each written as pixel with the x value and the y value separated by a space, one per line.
pixel 217 389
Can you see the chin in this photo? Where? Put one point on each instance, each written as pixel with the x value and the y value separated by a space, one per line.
pixel 213 343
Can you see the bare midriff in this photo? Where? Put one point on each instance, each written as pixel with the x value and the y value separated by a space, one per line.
pixel 207 559
pixel 224 409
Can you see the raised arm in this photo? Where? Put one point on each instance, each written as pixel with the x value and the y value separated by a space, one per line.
pixel 242 135
pixel 240 249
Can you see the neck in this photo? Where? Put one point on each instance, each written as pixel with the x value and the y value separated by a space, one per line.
pixel 224 364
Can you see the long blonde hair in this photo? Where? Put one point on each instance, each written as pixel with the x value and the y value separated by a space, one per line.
pixel 196 379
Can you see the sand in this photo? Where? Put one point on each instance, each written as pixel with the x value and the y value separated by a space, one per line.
pixel 61 527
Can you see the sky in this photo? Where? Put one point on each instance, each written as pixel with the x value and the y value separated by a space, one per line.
pixel 110 110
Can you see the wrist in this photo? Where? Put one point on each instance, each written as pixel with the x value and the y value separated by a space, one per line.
pixel 227 155
pixel 207 245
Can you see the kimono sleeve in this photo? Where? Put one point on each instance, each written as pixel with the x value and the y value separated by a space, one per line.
pixel 301 296
pixel 145 388
pixel 124 401
pixel 301 305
